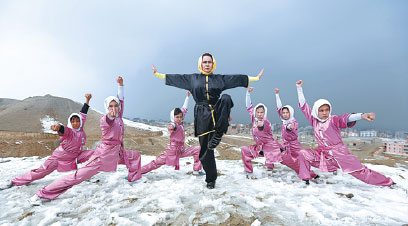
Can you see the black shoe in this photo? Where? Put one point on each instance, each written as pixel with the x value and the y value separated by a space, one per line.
pixel 317 176
pixel 307 182
pixel 211 185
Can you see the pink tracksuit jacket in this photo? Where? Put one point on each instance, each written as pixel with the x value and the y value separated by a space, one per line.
pixel 264 141
pixel 64 158
pixel 332 153
pixel 106 157
pixel 292 146
pixel 175 150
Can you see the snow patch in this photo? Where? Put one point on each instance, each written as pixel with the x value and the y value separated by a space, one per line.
pixel 167 196
pixel 47 122
pixel 143 126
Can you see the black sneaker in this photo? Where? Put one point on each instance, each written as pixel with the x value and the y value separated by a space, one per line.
pixel 211 185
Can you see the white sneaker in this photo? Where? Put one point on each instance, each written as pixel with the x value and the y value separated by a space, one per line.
pixel 6 185
pixel 250 176
pixel 35 200
pixel 198 173
pixel 317 179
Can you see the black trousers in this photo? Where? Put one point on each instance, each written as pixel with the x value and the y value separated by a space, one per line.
pixel 222 110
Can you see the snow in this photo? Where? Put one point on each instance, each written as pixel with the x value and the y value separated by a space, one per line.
pixel 240 136
pixel 47 122
pixel 139 125
pixel 167 196
pixel 143 126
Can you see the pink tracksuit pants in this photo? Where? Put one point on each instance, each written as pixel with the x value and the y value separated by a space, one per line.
pixel 50 165
pixel 288 160
pixel 307 159
pixel 61 185
pixel 248 153
pixel 161 159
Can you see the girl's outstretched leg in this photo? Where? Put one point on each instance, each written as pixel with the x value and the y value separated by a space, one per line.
pixel 132 161
pixel 61 185
pixel 46 168
pixel 159 161
pixel 195 152
pixel 372 177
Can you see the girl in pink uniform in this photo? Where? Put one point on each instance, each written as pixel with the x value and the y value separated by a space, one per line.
pixel 66 156
pixel 106 156
pixel 176 150
pixel 332 153
pixel 265 144
pixel 290 138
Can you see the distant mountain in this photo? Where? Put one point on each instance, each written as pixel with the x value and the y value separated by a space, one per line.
pixel 26 115
pixel 6 101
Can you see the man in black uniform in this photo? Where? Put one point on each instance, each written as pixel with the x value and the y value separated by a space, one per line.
pixel 211 113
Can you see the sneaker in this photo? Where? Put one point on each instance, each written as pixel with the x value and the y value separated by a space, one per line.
pixel 393 185
pixel 303 185
pixel 335 172
pixel 250 176
pixel 138 181
pixel 211 185
pixel 6 186
pixel 127 178
pixel 317 180
pixel 198 173
pixel 35 200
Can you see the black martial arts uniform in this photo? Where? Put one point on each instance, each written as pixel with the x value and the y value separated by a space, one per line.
pixel 211 112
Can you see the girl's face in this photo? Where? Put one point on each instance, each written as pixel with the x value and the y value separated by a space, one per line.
pixel 178 118
pixel 75 122
pixel 207 64
pixel 285 114
pixel 324 112
pixel 113 109
pixel 259 113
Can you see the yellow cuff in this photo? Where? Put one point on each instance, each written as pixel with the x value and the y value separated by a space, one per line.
pixel 160 75
pixel 251 79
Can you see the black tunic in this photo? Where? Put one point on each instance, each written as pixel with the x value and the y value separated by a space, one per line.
pixel 205 94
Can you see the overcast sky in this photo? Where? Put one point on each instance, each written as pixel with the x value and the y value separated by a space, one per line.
pixel 353 53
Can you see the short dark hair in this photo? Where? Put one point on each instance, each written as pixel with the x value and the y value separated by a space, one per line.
pixel 74 116
pixel 260 106
pixel 285 108
pixel 207 54
pixel 177 111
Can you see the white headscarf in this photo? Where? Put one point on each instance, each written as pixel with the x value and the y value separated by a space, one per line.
pixel 266 110
pixel 69 121
pixel 317 105
pixel 172 116
pixel 291 112
pixel 107 102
